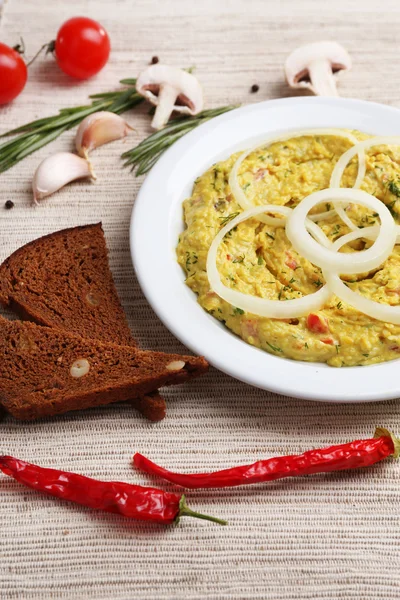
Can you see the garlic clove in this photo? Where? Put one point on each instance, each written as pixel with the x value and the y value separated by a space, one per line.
pixel 56 171
pixel 100 128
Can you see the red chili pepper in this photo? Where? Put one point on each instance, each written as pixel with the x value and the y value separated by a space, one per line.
pixel 134 501
pixel 361 453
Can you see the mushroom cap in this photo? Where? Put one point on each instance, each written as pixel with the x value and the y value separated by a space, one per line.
pixel 298 62
pixel 189 92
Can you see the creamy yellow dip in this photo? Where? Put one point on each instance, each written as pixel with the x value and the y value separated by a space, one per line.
pixel 258 259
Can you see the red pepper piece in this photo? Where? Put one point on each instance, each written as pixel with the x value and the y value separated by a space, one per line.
pixel 361 453
pixel 290 262
pixel 327 340
pixel 317 324
pixel 133 501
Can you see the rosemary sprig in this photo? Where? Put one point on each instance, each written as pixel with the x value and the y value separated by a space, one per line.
pixel 36 134
pixel 143 156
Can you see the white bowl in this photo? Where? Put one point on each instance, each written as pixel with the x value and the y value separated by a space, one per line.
pixel 157 220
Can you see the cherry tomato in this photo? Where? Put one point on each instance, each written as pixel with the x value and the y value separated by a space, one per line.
pixel 13 74
pixel 82 47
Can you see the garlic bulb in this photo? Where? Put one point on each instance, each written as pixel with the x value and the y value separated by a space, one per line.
pixel 99 128
pixel 56 171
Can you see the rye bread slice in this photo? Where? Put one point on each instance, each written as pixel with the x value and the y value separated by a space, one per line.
pixel 45 372
pixel 64 280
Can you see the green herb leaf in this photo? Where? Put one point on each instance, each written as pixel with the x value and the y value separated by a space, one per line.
pixel 274 348
pixel 144 156
pixel 394 188
pixel 39 133
pixel 238 311
pixel 225 220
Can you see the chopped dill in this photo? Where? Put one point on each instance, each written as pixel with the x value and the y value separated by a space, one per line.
pixel 274 348
pixel 225 220
pixel 191 259
pixel 229 234
pixel 394 188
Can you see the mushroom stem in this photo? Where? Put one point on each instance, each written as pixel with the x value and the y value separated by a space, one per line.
pixel 322 79
pixel 166 102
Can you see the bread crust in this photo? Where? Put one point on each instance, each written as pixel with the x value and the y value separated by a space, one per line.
pixel 38 371
pixel 80 300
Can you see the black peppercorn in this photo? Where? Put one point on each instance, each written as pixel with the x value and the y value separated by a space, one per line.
pixel 254 88
pixel 155 60
pixel 9 204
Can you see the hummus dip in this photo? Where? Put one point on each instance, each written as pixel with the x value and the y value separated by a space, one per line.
pixel 258 259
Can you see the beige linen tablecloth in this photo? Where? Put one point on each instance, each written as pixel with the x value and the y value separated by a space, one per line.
pixel 333 536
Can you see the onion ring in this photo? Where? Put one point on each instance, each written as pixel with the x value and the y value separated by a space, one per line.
pixel 275 309
pixel 376 310
pixel 343 161
pixel 366 260
pixel 237 191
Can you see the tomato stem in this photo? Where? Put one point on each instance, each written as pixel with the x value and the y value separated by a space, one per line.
pixel 50 48
pixel 20 48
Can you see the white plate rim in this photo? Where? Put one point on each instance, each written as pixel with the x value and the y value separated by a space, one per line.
pixel 162 281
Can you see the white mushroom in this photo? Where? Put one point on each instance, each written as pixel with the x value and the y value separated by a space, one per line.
pixel 315 65
pixel 56 171
pixel 100 128
pixel 169 89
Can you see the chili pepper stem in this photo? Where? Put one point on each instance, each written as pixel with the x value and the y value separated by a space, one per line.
pixel 382 431
pixel 185 511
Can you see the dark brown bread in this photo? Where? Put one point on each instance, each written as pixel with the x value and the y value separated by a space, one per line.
pixel 64 280
pixel 45 372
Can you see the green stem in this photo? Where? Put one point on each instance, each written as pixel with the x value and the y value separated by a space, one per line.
pixel 37 54
pixel 185 511
pixel 36 134
pixel 145 155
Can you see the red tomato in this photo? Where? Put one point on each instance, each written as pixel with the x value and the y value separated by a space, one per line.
pixel 13 74
pixel 82 47
pixel 317 324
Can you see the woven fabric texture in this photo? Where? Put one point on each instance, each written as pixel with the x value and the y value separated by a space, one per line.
pixel 322 537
